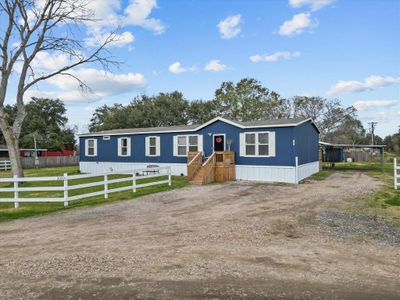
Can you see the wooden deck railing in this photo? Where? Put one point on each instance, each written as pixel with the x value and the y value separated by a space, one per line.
pixel 225 166
pixel 195 160
pixel 225 158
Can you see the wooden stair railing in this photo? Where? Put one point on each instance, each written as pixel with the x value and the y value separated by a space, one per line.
pixel 195 160
pixel 208 167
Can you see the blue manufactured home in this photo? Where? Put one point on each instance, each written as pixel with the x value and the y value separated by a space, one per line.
pixel 282 150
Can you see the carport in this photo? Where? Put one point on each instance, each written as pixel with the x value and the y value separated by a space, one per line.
pixel 332 153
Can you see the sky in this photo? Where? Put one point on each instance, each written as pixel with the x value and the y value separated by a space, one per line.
pixel 344 49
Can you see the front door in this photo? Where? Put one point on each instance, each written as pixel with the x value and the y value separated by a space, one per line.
pixel 219 142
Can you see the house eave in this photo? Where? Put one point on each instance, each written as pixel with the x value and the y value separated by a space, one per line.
pixel 99 134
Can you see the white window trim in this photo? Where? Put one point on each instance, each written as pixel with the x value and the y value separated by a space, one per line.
pixel 157 146
pixel 199 143
pixel 215 134
pixel 257 144
pixel 128 145
pixel 94 147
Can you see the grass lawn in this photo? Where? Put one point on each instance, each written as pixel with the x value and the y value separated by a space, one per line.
pixel 384 202
pixel 8 212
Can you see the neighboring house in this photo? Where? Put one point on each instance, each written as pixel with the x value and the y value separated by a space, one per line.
pixel 264 150
pixel 24 152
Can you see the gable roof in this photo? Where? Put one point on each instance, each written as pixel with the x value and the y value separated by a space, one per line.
pixel 196 127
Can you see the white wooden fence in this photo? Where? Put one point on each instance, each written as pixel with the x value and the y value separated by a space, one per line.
pixel 396 174
pixel 66 187
pixel 5 165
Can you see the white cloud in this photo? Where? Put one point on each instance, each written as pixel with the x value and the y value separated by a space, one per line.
pixel 297 25
pixel 138 12
pixel 109 15
pixel 274 57
pixel 230 27
pixel 101 83
pixel 177 68
pixel 368 105
pixel 120 40
pixel 369 83
pixel 45 61
pixel 215 66
pixel 313 4
pixel 387 116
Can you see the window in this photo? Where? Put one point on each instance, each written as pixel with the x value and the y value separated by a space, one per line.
pixel 152 146
pixel 91 147
pixel 187 143
pixel 256 144
pixel 193 143
pixel 182 143
pixel 106 137
pixel 124 146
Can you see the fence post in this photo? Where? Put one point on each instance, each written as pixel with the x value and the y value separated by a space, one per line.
pixel 134 182
pixel 16 202
pixel 169 177
pixel 105 186
pixel 395 173
pixel 65 189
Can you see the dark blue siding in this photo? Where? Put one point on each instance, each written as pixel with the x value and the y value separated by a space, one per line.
pixel 107 150
pixel 307 137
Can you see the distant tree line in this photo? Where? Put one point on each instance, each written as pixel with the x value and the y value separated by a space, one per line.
pixel 246 100
pixel 46 122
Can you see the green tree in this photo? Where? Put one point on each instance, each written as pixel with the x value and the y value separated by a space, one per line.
pixel 164 109
pixel 200 111
pixel 47 122
pixel 248 100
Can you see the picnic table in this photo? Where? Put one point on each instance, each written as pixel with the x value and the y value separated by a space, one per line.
pixel 147 172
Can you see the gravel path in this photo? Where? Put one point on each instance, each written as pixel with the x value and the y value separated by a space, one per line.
pixel 233 240
pixel 350 226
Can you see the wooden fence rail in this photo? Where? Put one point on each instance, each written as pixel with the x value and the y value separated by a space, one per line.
pixel 5 165
pixel 42 162
pixel 133 177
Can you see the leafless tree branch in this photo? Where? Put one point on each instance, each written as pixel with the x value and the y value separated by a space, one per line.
pixel 32 27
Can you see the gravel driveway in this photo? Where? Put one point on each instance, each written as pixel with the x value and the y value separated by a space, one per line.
pixel 233 240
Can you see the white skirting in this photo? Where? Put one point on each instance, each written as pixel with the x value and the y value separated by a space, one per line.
pixel 103 166
pixel 276 173
pixel 307 170
pixel 243 172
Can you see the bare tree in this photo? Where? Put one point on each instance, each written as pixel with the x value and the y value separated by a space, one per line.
pixel 31 27
pixel 329 114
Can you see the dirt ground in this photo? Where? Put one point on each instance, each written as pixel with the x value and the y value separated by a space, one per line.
pixel 233 240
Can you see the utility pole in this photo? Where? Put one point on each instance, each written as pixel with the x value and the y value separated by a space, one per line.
pixel 372 126
pixel 36 156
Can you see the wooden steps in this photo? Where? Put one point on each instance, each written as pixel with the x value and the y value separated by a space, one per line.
pixel 198 177
pixel 220 166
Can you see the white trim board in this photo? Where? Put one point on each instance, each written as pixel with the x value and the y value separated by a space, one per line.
pixel 202 126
